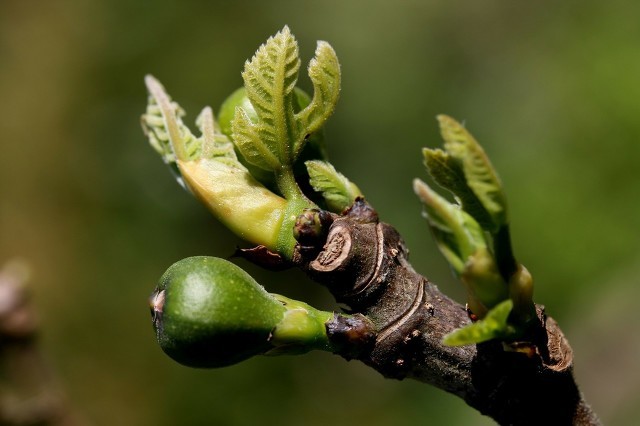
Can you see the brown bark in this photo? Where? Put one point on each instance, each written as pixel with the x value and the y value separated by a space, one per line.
pixel 364 264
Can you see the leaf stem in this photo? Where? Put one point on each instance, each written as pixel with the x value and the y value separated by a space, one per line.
pixel 296 203
pixel 503 251
pixel 286 182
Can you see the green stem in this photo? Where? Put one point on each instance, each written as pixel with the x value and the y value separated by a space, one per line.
pixel 302 328
pixel 286 181
pixel 507 264
pixel 296 203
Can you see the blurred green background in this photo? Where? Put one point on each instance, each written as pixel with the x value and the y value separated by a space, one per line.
pixel 551 89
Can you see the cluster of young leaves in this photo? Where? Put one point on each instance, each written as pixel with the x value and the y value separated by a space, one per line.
pixel 472 232
pixel 263 133
pixel 276 138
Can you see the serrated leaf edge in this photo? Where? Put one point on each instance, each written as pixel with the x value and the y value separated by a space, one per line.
pixel 324 72
pixel 337 190
pixel 270 77
pixel 247 139
pixel 480 174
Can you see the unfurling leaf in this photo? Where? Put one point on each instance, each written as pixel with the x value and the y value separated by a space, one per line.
pixel 163 126
pixel 493 326
pixel 480 192
pixel 269 79
pixel 324 70
pixel 484 284
pixel 337 191
pixel 457 234
pixel 484 263
pixel 280 128
pixel 447 172
pixel 249 142
pixel 214 143
pixel 173 140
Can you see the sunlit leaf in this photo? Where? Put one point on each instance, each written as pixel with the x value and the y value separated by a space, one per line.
pixel 457 234
pixel 209 168
pixel 250 143
pixel 338 191
pixel 277 126
pixel 269 79
pixel 215 145
pixel 174 141
pixel 447 172
pixel 479 174
pixel 324 71
pixel 163 125
pixel 493 326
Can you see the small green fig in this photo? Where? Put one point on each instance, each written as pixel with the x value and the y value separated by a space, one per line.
pixel 207 312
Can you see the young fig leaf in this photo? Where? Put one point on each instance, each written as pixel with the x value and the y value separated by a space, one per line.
pixel 269 79
pixel 247 137
pixel 447 172
pixel 313 148
pixel 457 234
pixel 324 70
pixel 479 175
pixel 493 326
pixel 337 191
pixel 163 126
pixel 279 127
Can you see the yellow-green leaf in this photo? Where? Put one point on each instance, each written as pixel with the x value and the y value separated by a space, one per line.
pixel 269 79
pixel 457 234
pixel 324 71
pixel 251 143
pixel 215 145
pixel 479 175
pixel 337 191
pixel 493 326
pixel 447 172
pixel 162 123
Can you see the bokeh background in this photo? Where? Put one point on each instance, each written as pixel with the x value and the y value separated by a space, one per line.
pixel 551 89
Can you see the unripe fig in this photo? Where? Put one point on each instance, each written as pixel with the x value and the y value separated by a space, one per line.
pixel 207 312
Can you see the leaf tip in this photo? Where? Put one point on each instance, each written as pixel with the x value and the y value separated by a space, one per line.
pixel 155 88
pixel 444 118
pixel 422 190
pixel 150 81
pixel 447 122
pixel 323 47
pixel 206 122
pixel 284 34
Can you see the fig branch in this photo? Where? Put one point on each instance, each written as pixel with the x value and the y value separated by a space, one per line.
pixel 262 170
